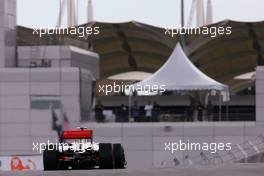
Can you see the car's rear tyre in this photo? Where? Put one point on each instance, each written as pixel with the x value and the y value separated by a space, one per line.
pixel 119 156
pixel 50 159
pixel 106 156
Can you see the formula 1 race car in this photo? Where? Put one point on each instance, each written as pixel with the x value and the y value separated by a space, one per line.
pixel 78 151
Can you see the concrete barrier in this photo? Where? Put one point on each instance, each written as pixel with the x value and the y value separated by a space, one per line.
pixel 144 143
pixel 21 163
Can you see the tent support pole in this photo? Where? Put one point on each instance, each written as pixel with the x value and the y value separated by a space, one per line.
pixel 227 117
pixel 220 108
pixel 129 106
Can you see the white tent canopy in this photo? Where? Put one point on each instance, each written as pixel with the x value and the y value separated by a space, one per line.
pixel 133 75
pixel 178 73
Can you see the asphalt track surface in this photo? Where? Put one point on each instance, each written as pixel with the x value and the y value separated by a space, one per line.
pixel 228 170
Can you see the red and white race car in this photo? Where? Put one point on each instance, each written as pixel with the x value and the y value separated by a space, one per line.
pixel 77 150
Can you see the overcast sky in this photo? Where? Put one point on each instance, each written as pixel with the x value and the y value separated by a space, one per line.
pixel 43 13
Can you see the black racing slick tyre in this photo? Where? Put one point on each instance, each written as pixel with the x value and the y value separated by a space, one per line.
pixel 106 156
pixel 50 159
pixel 119 156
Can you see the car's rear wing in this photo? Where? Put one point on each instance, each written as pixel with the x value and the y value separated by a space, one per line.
pixel 77 134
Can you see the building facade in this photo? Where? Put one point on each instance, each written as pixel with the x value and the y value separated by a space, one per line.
pixel 35 82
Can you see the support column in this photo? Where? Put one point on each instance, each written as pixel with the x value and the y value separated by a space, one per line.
pixel 260 95
pixel 7 33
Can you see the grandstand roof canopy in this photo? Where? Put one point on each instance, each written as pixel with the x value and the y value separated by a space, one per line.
pixel 133 46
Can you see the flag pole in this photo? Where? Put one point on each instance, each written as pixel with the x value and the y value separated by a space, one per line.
pixel 182 13
pixel 182 41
